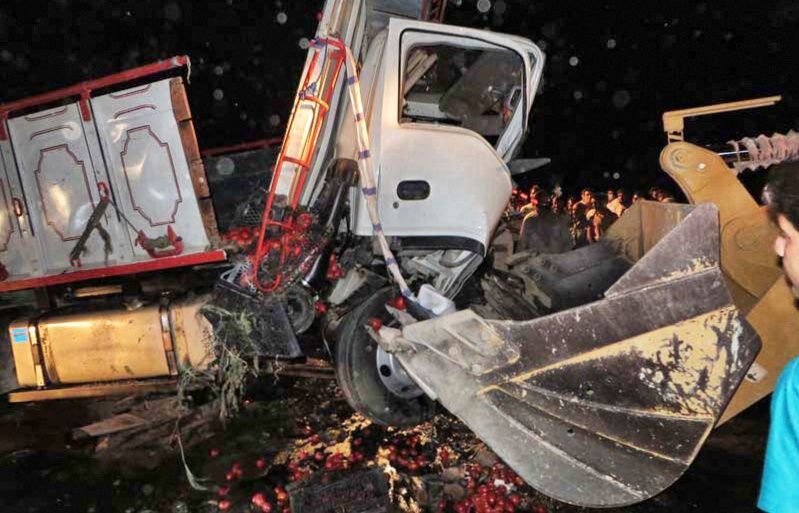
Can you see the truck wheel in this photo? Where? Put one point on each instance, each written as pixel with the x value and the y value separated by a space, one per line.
pixel 373 382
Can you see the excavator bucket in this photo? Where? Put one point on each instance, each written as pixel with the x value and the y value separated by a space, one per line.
pixel 605 403
pixel 750 267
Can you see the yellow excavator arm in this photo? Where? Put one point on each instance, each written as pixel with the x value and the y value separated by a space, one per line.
pixel 751 268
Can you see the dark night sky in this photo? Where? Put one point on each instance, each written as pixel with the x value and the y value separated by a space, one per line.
pixel 613 66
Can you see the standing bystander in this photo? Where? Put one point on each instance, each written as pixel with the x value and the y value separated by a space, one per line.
pixel 545 232
pixel 532 206
pixel 619 204
pixel 581 218
pixel 779 492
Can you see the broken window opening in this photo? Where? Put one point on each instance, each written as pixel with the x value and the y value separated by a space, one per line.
pixel 476 89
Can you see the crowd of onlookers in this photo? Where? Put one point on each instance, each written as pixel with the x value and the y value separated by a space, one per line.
pixel 551 223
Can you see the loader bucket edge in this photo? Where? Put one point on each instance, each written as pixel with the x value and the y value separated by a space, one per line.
pixel 608 403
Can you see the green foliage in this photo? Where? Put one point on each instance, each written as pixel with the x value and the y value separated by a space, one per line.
pixel 235 360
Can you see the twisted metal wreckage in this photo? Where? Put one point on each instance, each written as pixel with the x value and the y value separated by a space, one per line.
pixel 596 374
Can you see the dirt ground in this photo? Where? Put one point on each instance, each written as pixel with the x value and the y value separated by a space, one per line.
pixel 287 430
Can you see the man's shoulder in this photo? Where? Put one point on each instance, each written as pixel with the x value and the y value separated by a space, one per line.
pixel 790 374
pixel 779 490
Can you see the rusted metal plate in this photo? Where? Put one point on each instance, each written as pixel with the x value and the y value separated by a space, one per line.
pixel 180 102
pixel 355 492
pixel 209 219
pixel 609 400
pixel 198 178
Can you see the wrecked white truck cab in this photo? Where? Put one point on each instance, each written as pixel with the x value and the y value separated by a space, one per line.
pixel 448 108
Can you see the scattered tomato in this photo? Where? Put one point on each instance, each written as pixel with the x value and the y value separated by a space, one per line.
pixel 258 499
pixel 224 505
pixel 281 495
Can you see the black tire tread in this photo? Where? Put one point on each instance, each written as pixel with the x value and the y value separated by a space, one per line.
pixel 360 382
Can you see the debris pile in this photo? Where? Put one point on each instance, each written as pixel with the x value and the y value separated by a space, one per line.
pixel 438 466
pixel 293 442
pixel 134 422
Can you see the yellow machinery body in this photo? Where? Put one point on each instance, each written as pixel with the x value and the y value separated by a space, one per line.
pixel 750 266
pixel 152 341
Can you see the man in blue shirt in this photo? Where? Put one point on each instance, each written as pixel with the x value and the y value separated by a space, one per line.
pixel 779 492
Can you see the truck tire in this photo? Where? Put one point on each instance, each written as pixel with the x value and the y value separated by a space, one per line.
pixel 358 375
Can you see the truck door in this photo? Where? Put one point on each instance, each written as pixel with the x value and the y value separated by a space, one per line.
pixel 454 107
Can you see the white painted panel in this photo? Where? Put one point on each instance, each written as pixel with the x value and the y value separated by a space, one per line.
pixel 147 164
pixel 60 182
pixel 469 182
pixel 19 253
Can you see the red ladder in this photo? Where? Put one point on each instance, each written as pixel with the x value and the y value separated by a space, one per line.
pixel 325 65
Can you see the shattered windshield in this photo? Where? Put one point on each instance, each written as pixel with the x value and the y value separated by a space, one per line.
pixel 477 89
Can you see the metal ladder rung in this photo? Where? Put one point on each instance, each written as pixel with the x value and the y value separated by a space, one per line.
pixel 298 162
pixel 318 101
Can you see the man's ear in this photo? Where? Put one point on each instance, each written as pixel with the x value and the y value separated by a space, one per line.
pixel 787 227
